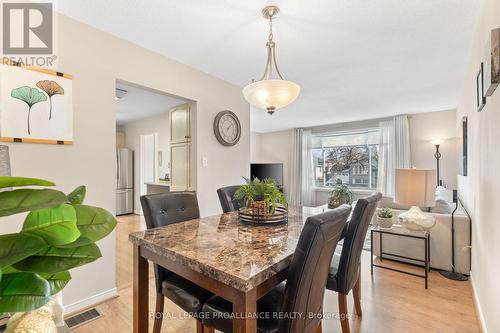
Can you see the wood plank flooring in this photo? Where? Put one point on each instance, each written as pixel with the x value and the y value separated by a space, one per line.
pixel 391 302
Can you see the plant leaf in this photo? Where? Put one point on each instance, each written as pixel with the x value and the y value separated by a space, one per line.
pixel 16 247
pixel 57 282
pixel 51 88
pixel 30 96
pixel 94 224
pixel 56 259
pixel 56 225
pixel 7 181
pixel 23 200
pixel 77 196
pixel 23 291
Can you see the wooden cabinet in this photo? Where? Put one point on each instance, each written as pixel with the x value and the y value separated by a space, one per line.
pixel 180 124
pixel 180 148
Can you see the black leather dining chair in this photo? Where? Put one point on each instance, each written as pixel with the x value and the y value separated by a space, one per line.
pixel 345 271
pixel 160 210
pixel 226 198
pixel 305 286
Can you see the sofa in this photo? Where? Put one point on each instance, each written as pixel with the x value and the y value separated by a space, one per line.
pixel 440 235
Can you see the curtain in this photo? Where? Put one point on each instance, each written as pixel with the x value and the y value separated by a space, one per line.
pixel 386 163
pixel 308 193
pixel 394 152
pixel 295 193
pixel 301 180
pixel 402 143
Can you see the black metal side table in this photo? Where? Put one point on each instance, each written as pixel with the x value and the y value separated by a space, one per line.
pixel 400 231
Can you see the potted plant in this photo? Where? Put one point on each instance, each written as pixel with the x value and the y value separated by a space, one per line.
pixel 385 217
pixel 261 196
pixel 341 194
pixel 58 234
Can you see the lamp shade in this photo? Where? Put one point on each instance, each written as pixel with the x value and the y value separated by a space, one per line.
pixel 271 94
pixel 416 187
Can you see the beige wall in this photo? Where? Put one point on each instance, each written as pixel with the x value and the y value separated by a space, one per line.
pixel 96 60
pixel 159 124
pixel 424 127
pixel 479 190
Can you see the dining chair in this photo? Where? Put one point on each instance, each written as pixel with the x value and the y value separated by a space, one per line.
pixel 345 270
pixel 305 286
pixel 160 210
pixel 226 198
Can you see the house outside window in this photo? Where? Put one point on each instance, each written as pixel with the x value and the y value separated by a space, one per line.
pixel 349 158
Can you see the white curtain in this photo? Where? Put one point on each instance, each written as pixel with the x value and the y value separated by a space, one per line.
pixel 402 137
pixel 295 193
pixel 301 180
pixel 394 152
pixel 308 193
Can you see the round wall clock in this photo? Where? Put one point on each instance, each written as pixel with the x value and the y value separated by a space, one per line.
pixel 227 128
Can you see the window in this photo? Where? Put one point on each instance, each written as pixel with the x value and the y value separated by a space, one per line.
pixel 346 158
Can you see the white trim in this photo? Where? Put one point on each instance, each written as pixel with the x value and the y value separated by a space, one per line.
pixel 477 305
pixel 92 300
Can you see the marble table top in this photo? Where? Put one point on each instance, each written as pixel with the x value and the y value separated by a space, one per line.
pixel 222 248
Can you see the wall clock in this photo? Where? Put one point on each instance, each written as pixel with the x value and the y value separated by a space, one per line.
pixel 227 128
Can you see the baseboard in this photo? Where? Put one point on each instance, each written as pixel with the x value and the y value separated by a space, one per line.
pixel 477 305
pixel 90 301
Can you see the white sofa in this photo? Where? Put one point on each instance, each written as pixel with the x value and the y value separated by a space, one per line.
pixel 440 235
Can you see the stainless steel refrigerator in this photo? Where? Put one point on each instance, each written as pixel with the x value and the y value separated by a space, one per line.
pixel 124 181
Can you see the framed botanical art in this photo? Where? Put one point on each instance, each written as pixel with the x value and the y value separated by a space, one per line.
pixel 492 63
pixel 481 99
pixel 35 105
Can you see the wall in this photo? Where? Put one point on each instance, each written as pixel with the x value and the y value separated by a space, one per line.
pixel 424 127
pixel 479 190
pixel 157 124
pixel 97 60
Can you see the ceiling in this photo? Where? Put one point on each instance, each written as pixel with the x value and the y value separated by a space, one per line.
pixel 354 59
pixel 139 103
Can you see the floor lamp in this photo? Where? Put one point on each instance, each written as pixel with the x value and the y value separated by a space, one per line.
pixel 437 155
pixel 452 275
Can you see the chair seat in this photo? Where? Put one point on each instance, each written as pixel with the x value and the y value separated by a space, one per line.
pixel 187 295
pixel 217 310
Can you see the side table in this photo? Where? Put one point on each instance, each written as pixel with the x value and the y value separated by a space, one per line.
pixel 400 231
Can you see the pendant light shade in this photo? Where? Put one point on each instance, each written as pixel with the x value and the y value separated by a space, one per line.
pixel 271 94
pixel 268 93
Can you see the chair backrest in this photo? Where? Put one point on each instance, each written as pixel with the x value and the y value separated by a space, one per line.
pixel 168 208
pixel 308 271
pixel 171 207
pixel 354 239
pixel 226 197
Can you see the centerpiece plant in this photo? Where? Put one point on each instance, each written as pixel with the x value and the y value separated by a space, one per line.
pixel 58 234
pixel 262 196
pixel 341 194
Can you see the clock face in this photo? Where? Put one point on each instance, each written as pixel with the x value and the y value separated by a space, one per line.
pixel 227 128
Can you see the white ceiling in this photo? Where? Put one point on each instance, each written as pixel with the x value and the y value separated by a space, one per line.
pixel 355 59
pixel 139 103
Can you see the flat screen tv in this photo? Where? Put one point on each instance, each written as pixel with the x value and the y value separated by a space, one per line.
pixel 267 171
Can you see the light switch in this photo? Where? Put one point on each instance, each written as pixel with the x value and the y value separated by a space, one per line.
pixel 204 162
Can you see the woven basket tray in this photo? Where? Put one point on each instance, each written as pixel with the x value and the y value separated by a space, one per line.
pixel 247 216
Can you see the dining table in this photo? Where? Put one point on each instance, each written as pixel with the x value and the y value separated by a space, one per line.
pixel 236 261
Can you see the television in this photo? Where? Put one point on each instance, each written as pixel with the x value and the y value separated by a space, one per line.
pixel 267 171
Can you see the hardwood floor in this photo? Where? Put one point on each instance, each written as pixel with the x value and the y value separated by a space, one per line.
pixel 391 302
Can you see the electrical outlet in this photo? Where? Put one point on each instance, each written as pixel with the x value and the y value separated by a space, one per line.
pixel 204 162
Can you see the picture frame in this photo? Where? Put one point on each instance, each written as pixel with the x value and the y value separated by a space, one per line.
pixel 492 63
pixel 480 98
pixel 36 105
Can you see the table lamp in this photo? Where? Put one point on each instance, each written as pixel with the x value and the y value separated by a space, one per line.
pixel 416 187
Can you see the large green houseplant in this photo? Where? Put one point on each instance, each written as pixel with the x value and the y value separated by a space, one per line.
pixel 58 234
pixel 263 196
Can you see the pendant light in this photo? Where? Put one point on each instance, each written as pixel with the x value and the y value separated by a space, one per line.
pixel 271 93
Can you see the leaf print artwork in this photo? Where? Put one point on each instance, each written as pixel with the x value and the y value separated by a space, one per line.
pixel 30 96
pixel 51 88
